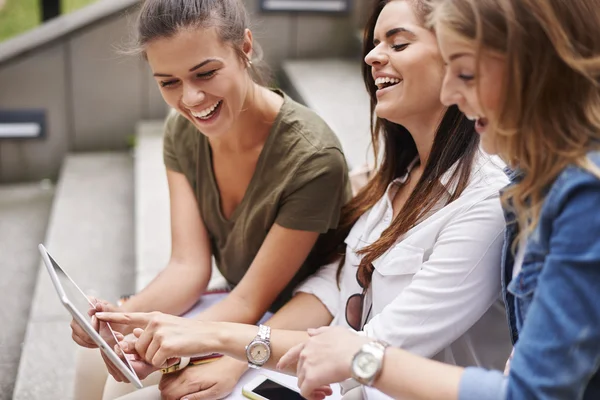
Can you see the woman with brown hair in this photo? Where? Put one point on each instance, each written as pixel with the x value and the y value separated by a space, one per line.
pixel 529 72
pixel 254 179
pixel 422 240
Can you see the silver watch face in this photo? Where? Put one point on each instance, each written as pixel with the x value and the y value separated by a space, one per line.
pixel 258 353
pixel 365 365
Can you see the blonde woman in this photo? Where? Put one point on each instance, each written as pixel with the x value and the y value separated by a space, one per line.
pixel 529 72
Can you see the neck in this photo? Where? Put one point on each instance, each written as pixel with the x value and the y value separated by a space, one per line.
pixel 253 124
pixel 423 132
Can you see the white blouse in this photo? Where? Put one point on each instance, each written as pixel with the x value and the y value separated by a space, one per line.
pixel 436 292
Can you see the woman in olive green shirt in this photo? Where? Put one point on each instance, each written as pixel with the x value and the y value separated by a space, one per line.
pixel 254 179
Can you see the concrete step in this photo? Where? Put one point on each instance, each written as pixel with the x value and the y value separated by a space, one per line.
pixel 335 90
pixel 24 212
pixel 152 219
pixel 90 234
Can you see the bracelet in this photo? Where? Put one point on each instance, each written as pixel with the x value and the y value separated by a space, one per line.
pixel 188 362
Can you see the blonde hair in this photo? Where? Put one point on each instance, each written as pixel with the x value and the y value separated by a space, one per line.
pixel 550 116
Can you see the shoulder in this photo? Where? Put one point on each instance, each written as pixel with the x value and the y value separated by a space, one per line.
pixel 487 178
pixel 305 127
pixel 576 185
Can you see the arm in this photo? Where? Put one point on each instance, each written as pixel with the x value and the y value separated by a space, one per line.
pixel 453 289
pixel 327 357
pixel 557 352
pixel 186 276
pixel 310 205
pixel 279 258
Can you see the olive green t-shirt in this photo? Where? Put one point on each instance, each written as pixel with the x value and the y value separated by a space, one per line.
pixel 300 182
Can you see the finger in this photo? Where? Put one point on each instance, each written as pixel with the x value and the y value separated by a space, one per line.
pixel 153 354
pixel 137 332
pixel 317 331
pixel 291 357
pixel 142 343
pixel 137 320
pixel 119 336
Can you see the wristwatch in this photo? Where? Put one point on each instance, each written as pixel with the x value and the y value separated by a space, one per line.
pixel 258 350
pixel 367 363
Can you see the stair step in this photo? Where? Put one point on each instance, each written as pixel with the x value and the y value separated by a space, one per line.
pixel 152 219
pixel 90 234
pixel 24 211
pixel 335 90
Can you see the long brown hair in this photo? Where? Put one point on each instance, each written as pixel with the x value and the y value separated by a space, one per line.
pixel 550 116
pixel 456 142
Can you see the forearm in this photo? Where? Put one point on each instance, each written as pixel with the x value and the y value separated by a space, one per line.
pixel 173 291
pixel 405 375
pixel 231 339
pixel 302 312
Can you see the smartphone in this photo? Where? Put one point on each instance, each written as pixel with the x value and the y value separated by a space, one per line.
pixel 264 388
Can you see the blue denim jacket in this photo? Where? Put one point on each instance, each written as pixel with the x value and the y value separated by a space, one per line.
pixel 557 293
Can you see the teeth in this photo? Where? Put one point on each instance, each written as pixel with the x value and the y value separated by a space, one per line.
pixel 206 112
pixel 472 117
pixel 387 80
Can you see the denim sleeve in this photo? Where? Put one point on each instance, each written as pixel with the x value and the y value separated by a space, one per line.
pixel 557 352
pixel 480 384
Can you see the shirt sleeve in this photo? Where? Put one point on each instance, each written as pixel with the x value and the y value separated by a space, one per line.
pixel 169 154
pixel 557 354
pixel 323 285
pixel 453 289
pixel 480 384
pixel 318 190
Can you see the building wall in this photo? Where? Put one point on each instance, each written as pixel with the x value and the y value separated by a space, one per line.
pixel 94 96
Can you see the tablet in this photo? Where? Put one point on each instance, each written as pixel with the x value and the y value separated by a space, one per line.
pixel 78 304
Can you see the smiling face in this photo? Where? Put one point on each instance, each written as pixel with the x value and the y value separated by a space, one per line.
pixel 478 96
pixel 406 66
pixel 201 77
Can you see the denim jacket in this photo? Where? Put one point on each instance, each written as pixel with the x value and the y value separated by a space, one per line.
pixel 553 304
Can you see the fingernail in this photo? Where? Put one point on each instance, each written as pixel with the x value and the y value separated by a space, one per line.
pixel 100 314
pixel 124 345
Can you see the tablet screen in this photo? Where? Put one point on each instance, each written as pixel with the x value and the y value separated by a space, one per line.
pixel 79 300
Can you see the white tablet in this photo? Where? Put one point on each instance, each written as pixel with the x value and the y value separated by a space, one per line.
pixel 78 304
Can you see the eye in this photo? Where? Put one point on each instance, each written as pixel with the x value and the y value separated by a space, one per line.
pixel 206 75
pixel 399 47
pixel 466 78
pixel 170 83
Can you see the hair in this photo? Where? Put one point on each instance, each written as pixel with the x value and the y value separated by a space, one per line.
pixel 455 143
pixel 550 115
pixel 160 19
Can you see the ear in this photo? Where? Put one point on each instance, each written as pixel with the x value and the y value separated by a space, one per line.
pixel 248 45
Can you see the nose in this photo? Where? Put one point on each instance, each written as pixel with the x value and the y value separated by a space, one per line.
pixel 449 94
pixel 192 96
pixel 376 57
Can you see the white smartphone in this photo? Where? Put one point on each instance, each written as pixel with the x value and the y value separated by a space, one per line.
pixel 78 304
pixel 265 388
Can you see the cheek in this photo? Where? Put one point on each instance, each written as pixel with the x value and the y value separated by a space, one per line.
pixel 170 97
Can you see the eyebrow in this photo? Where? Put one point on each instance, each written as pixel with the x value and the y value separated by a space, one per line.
pixel 202 64
pixel 459 55
pixel 396 31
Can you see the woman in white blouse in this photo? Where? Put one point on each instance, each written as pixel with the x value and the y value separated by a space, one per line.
pixel 423 238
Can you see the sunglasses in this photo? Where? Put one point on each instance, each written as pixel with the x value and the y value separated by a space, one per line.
pixel 355 303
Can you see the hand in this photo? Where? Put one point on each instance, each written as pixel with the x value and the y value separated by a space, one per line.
pixel 141 368
pixel 81 337
pixel 165 336
pixel 211 381
pixel 325 358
